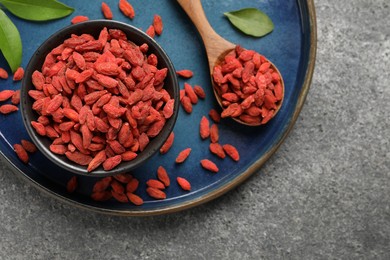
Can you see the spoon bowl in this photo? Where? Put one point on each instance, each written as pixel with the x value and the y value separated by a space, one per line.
pixel 217 48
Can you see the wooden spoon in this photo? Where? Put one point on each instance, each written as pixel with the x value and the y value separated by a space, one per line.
pixel 216 46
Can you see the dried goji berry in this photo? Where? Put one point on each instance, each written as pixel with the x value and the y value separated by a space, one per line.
pixel 15 99
pixel 199 92
pixel 112 162
pixel 97 160
pixel 79 158
pixel 163 176
pixel 204 128
pixel 3 74
pixel 6 94
pixel 168 143
pixel 151 31
pixel 186 104
pixel 79 19
pixel 231 151
pixel 19 73
pixel 214 133
pixel 190 93
pixel 184 183
pixel 8 108
pixel 185 73
pixel 183 155
pixel 155 184
pixel 135 199
pixel 214 115
pixel 217 149
pixel 158 24
pixel 106 10
pixel 156 193
pixel 209 165
pixel 21 153
pixel 126 8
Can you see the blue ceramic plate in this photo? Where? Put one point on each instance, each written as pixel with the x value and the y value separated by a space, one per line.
pixel 291 47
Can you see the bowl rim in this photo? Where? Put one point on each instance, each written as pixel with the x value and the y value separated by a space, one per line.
pixel 34 64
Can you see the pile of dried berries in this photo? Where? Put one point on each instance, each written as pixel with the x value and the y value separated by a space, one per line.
pixel 250 88
pixel 100 100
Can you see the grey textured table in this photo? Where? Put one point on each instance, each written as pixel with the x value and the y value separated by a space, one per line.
pixel 324 194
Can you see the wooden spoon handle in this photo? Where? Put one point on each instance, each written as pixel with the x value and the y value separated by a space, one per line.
pixel 214 43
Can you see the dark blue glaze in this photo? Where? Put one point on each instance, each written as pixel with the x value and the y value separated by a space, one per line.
pixel 287 47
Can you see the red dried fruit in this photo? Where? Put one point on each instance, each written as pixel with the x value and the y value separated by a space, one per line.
pixel 215 116
pixel 19 73
pixel 6 94
pixel 21 153
pixel 126 8
pixel 186 104
pixel 71 185
pixel 78 157
pixel 183 155
pixel 8 108
pixel 155 184
pixel 39 128
pixel 190 93
pixel 158 24
pixel 97 160
pixel 199 92
pixel 183 183
pixel 143 141
pixel 168 108
pixel 204 128
pixel 209 165
pixel 106 10
pixel 231 151
pixel 163 176
pixel 112 162
pixel 15 99
pixel 79 19
pixel 3 74
pixel 128 156
pixel 58 149
pixel 135 199
pixel 156 193
pixel 217 149
pixel 151 31
pixel 214 133
pixel 185 73
pixel 168 143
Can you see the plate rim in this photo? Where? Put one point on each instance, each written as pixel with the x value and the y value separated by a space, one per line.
pixel 219 191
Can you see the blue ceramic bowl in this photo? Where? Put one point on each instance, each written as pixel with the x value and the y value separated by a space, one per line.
pixel 94 27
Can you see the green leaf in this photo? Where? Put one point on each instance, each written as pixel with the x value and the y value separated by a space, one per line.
pixel 37 10
pixel 10 43
pixel 251 21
